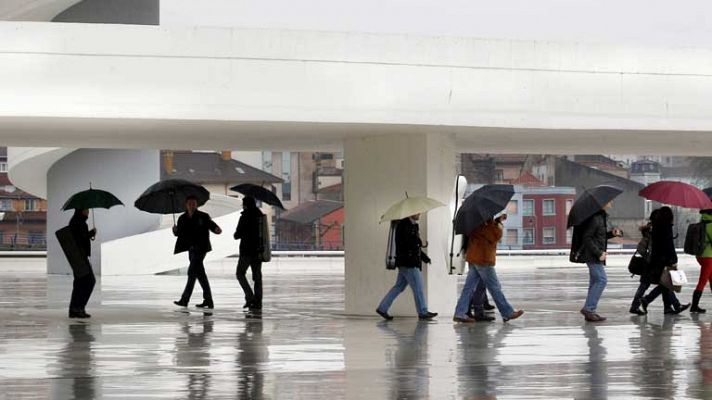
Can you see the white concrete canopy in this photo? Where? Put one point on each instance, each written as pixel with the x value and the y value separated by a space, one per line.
pixel 83 85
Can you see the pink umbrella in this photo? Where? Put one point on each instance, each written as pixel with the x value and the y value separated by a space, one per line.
pixel 677 194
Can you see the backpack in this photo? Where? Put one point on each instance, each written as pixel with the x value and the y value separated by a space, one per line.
pixel 391 246
pixel 696 239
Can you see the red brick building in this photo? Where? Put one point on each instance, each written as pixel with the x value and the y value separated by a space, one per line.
pixel 544 214
pixel 313 225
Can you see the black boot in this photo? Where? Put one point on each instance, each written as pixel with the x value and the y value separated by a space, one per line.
pixel 696 295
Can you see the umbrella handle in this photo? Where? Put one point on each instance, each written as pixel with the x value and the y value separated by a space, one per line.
pixel 452 240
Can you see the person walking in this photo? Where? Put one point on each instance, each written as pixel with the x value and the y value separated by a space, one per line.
pixel 481 258
pixel 248 233
pixel 193 235
pixel 593 251
pixel 409 259
pixel 83 286
pixel 705 261
pixel 663 254
pixel 646 233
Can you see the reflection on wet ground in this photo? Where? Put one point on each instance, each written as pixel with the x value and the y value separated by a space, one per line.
pixel 138 346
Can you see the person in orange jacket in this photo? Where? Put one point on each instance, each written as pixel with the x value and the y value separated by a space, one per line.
pixel 481 256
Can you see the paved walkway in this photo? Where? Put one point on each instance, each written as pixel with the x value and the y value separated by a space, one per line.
pixel 138 345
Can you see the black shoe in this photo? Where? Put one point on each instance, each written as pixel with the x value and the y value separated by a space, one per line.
pixel 484 318
pixel 682 308
pixel 636 311
pixel 385 315
pixel 86 315
pixel 247 305
pixel 181 303
pixel 431 314
pixel 426 317
pixel 255 307
pixel 644 304
pixel 78 314
pixel 206 304
pixel 696 295
pixel 670 312
pixel 489 307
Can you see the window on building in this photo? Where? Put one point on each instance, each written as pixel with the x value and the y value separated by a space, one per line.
pixel 528 236
pixel 512 238
pixel 528 208
pixel 549 207
pixel 287 176
pixel 569 205
pixel 569 235
pixel 499 175
pixel 5 204
pixel 30 204
pixel 549 235
pixel 513 207
pixel 3 167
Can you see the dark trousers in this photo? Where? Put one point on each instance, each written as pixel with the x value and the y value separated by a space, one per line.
pixel 196 270
pixel 479 298
pixel 81 291
pixel 670 301
pixel 245 261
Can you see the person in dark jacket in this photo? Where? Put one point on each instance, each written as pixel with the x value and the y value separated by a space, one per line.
pixel 193 233
pixel 671 303
pixel 409 259
pixel 592 248
pixel 663 254
pixel 249 234
pixel 82 287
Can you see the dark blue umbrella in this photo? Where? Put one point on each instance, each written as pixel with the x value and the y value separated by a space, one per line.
pixel 590 202
pixel 482 205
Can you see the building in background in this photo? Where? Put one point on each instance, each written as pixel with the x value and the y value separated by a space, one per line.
pixel 545 211
pixel 312 225
pixel 23 217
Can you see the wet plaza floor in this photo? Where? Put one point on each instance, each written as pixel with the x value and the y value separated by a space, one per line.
pixel 138 346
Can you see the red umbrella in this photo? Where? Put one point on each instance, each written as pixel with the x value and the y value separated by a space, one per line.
pixel 677 194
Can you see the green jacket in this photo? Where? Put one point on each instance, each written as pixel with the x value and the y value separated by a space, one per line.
pixel 708 249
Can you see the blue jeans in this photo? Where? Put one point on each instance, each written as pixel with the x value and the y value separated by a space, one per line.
pixel 406 277
pixel 596 283
pixel 488 276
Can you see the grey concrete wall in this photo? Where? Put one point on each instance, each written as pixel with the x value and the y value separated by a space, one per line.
pixel 136 12
pixel 626 206
pixel 125 173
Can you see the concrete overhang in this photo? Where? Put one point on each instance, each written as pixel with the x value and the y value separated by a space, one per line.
pixel 83 85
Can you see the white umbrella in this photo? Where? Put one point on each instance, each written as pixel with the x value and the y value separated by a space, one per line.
pixel 410 206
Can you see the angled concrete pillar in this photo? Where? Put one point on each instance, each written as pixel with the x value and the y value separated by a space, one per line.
pixel 380 169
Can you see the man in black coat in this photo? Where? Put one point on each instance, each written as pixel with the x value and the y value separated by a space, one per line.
pixel 250 236
pixel 83 286
pixel 193 232
pixel 590 246
pixel 409 259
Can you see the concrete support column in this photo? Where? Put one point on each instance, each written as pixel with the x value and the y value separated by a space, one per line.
pixel 125 173
pixel 379 171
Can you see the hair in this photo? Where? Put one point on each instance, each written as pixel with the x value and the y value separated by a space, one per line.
pixel 190 197
pixel 664 216
pixel 706 211
pixel 249 202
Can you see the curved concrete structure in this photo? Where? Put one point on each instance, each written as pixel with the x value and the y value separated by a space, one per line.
pixel 33 10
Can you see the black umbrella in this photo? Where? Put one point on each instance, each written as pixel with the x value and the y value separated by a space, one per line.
pixel 259 193
pixel 91 199
pixel 708 192
pixel 590 202
pixel 481 205
pixel 168 197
